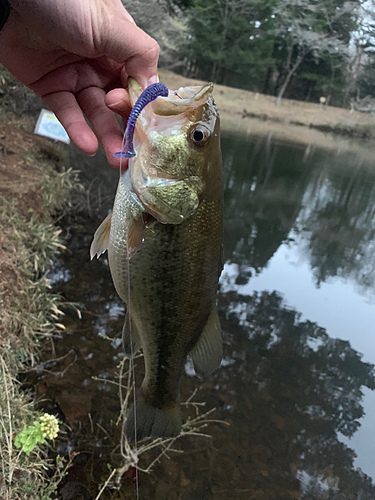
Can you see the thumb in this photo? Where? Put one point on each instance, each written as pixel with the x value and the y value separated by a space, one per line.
pixel 126 43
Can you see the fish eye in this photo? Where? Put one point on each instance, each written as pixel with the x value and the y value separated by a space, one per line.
pixel 199 136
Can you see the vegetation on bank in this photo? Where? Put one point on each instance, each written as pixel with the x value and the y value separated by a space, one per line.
pixel 35 186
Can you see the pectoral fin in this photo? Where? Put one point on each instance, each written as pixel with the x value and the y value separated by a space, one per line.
pixel 100 242
pixel 208 351
pixel 131 341
pixel 135 236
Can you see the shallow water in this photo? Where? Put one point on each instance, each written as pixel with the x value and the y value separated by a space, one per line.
pixel 296 303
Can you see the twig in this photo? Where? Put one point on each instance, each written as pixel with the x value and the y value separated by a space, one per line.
pixel 105 484
pixel 40 367
pixel 91 423
pixel 9 439
pixel 105 432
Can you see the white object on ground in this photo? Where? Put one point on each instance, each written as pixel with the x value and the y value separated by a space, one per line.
pixel 49 126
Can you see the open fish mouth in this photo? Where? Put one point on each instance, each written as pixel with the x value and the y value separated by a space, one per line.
pixel 180 102
pixel 169 116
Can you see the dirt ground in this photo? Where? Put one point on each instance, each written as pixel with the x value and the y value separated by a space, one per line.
pixel 19 182
pixel 24 166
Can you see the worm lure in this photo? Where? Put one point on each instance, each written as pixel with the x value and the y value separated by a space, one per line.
pixel 150 94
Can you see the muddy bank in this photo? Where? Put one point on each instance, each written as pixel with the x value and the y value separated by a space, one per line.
pixel 249 105
pixel 357 131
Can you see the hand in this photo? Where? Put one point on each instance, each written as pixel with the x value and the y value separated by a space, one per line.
pixel 71 53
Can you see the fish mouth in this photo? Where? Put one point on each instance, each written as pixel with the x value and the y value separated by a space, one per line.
pixel 177 102
pixel 170 115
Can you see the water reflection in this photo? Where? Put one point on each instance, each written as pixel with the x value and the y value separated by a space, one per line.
pixel 338 220
pixel 294 389
pixel 328 198
pixel 264 183
pixel 288 389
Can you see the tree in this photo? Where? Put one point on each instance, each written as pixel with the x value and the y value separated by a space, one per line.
pixel 300 31
pixel 361 70
pixel 164 21
pixel 224 43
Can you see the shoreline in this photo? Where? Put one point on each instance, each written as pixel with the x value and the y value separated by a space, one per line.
pixel 235 104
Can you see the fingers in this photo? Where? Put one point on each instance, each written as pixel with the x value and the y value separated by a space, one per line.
pixel 68 112
pixel 118 100
pixel 103 121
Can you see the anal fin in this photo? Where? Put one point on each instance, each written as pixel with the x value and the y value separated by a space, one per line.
pixel 208 351
pixel 131 341
pixel 100 242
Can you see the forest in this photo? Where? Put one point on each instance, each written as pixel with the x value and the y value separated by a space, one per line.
pixel 298 49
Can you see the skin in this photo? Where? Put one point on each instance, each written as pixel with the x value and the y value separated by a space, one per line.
pixel 82 52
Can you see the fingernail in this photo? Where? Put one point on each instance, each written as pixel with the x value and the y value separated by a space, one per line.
pixel 91 156
pixel 153 79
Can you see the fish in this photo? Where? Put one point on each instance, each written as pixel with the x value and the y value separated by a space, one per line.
pixel 164 241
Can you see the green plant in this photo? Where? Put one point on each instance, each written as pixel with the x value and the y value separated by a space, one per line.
pixel 46 427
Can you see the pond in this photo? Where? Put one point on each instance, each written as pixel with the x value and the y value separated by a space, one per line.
pixel 296 303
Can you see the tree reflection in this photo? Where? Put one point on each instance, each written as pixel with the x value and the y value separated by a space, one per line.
pixel 289 392
pixel 327 198
pixel 264 182
pixel 339 222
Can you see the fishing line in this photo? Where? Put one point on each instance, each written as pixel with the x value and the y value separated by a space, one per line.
pixel 127 151
pixel 131 343
pixel 133 377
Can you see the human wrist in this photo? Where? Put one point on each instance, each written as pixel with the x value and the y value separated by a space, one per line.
pixel 4 12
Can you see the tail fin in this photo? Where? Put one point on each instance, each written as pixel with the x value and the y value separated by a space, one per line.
pixel 151 421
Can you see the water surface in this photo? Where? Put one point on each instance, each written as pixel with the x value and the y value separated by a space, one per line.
pixel 296 303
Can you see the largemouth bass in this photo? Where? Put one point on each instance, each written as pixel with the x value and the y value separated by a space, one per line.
pixel 164 241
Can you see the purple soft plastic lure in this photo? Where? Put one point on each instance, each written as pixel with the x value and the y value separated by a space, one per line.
pixel 150 94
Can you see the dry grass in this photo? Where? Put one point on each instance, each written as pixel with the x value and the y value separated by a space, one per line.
pixel 130 456
pixel 34 185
